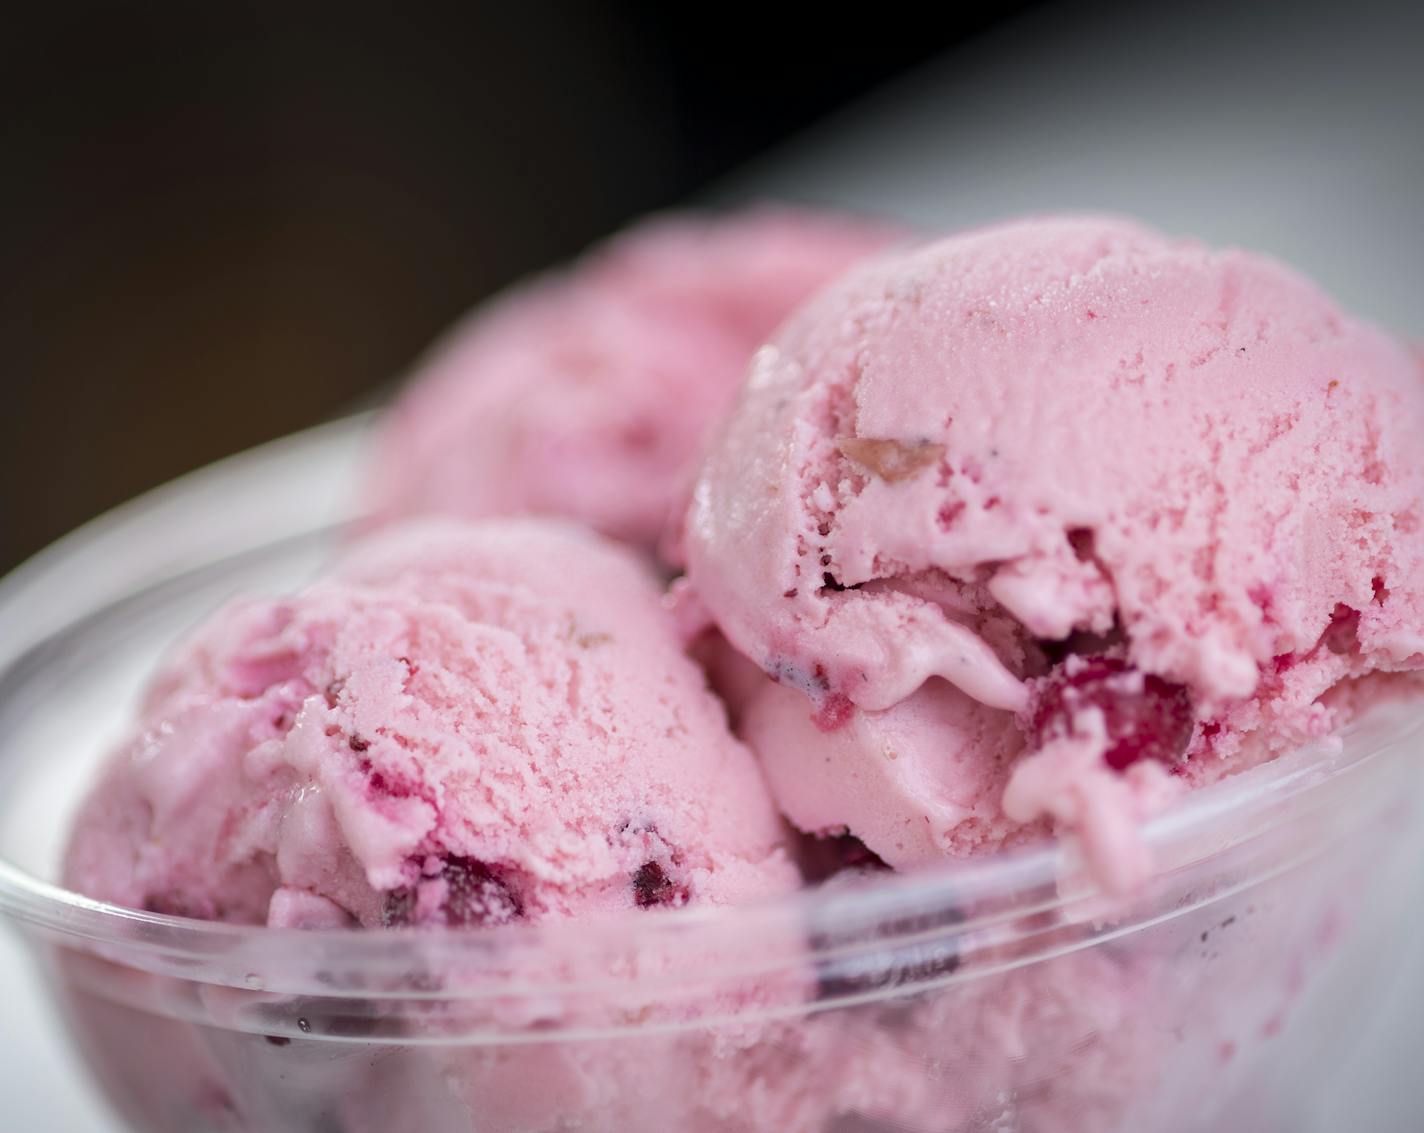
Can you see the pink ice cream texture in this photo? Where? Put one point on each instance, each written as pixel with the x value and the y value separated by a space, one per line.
pixel 1042 524
pixel 465 725
pixel 586 393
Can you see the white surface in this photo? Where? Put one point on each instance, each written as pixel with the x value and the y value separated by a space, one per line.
pixel 1270 127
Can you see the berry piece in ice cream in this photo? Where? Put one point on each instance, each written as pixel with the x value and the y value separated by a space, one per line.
pixel 1143 716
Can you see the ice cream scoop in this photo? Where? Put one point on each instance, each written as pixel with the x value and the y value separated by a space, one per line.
pixel 463 725
pixel 1045 522
pixel 587 393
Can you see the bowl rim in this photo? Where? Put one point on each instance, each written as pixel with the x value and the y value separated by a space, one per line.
pixel 1029 897
pixel 851 920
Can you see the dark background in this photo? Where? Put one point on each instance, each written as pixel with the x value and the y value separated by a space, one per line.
pixel 222 223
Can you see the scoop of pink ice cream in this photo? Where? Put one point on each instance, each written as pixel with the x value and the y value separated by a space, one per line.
pixel 1045 521
pixel 462 725
pixel 587 393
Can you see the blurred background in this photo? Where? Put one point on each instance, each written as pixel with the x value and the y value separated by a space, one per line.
pixel 220 223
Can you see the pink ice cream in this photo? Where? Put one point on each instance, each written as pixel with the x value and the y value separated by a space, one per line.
pixel 587 393
pixel 463 725
pixel 1035 528
pixel 1040 525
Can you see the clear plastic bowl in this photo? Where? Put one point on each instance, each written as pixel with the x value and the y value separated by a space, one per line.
pixel 1000 995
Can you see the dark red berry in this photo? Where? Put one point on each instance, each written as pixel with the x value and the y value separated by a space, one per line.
pixel 652 886
pixel 1342 635
pixel 1145 716
pixel 474 895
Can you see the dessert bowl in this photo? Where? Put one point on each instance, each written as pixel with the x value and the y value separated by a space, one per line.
pixel 1006 993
